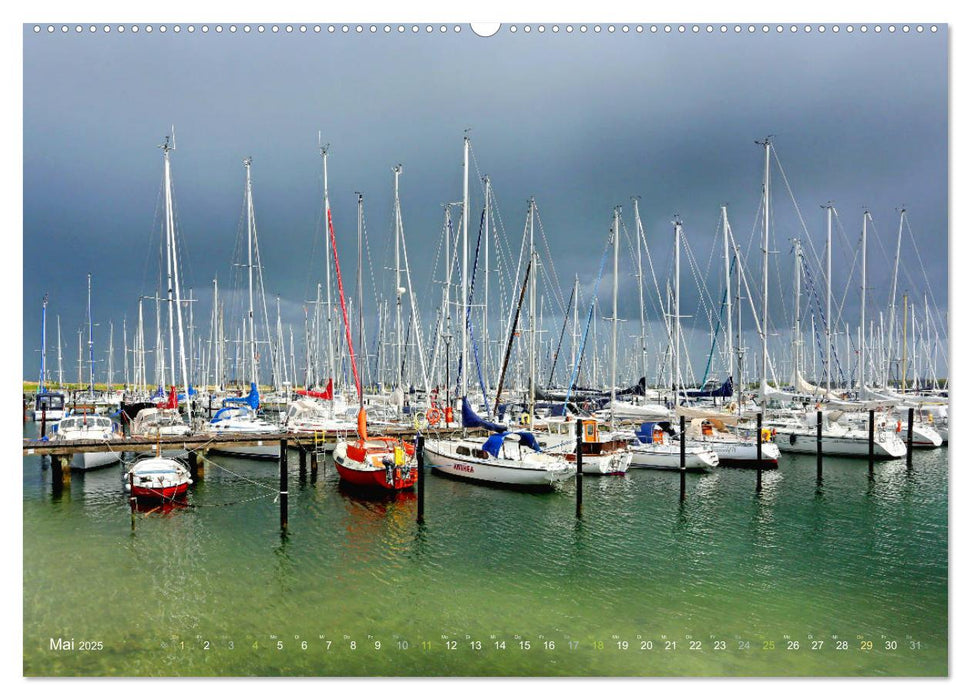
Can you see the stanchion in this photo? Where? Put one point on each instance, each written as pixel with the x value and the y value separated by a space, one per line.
pixel 684 448
pixel 131 496
pixel 758 453
pixel 284 505
pixel 420 453
pixel 819 445
pixel 579 459
pixel 870 440
pixel 910 436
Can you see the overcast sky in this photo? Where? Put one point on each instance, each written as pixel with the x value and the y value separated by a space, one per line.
pixel 580 121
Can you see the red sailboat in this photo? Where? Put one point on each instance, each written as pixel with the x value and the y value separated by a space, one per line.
pixel 372 462
pixel 376 462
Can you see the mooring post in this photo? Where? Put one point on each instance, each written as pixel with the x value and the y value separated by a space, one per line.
pixel 684 448
pixel 303 461
pixel 420 453
pixel 284 515
pixel 758 452
pixel 313 466
pixel 579 460
pixel 60 471
pixel 43 422
pixel 132 501
pixel 870 439
pixel 910 436
pixel 819 445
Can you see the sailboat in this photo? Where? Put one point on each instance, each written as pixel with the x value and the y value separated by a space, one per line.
pixel 48 405
pixel 240 415
pixel 653 447
pixel 371 462
pixel 512 458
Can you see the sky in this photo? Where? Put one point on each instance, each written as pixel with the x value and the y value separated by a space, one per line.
pixel 580 121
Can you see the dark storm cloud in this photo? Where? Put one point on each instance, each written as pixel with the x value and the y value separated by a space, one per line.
pixel 580 122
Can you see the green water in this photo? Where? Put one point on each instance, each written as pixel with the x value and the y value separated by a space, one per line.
pixel 496 582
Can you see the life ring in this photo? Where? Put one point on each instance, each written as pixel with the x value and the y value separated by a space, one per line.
pixel 433 416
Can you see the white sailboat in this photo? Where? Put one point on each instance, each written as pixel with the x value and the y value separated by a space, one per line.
pixel 506 458
pixel 239 416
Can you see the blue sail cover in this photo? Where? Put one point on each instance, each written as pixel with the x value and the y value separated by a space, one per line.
pixel 252 399
pixel 494 442
pixel 471 420
pixel 192 392
pixel 645 433
pixel 724 391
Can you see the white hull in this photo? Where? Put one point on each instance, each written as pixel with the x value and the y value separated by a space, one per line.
pixel 924 437
pixel 441 455
pixel 665 456
pixel 599 465
pixel 84 461
pixel 729 451
pixel 268 451
pixel 885 445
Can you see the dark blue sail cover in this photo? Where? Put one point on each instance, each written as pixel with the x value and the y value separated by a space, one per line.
pixel 494 442
pixel 252 399
pixel 724 391
pixel 471 420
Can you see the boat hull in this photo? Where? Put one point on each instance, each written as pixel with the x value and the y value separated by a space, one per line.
pixel 668 457
pixel 743 453
pixel 85 461
pixel 602 465
pixel 370 476
pixel 500 473
pixel 836 446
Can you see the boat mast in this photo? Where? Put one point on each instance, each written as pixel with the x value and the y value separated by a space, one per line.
pixel 80 359
pixel 728 288
pixel 576 320
pixel 124 337
pixel 90 338
pixel 485 295
pixel 532 317
pixel 829 293
pixel 903 383
pixel 797 321
pixel 640 291
pixel 613 336
pixel 893 302
pixel 111 354
pixel 360 284
pixel 249 269
pixel 398 289
pixel 677 310
pixel 465 265
pixel 60 363
pixel 330 227
pixel 767 145
pixel 43 345
pixel 866 216
pixel 169 224
pixel 175 274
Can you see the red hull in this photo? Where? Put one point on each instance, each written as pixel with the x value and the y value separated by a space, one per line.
pixel 376 478
pixel 164 494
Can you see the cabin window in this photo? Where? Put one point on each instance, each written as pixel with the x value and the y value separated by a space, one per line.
pixel 463 450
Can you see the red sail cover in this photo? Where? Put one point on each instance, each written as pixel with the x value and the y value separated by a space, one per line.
pixel 173 401
pixel 327 394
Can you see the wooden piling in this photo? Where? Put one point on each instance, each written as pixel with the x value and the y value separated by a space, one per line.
pixel 819 444
pixel 684 448
pixel 420 453
pixel 870 439
pixel 910 436
pixel 60 471
pixel 579 461
pixel 758 452
pixel 132 501
pixel 303 462
pixel 313 466
pixel 43 422
pixel 284 515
